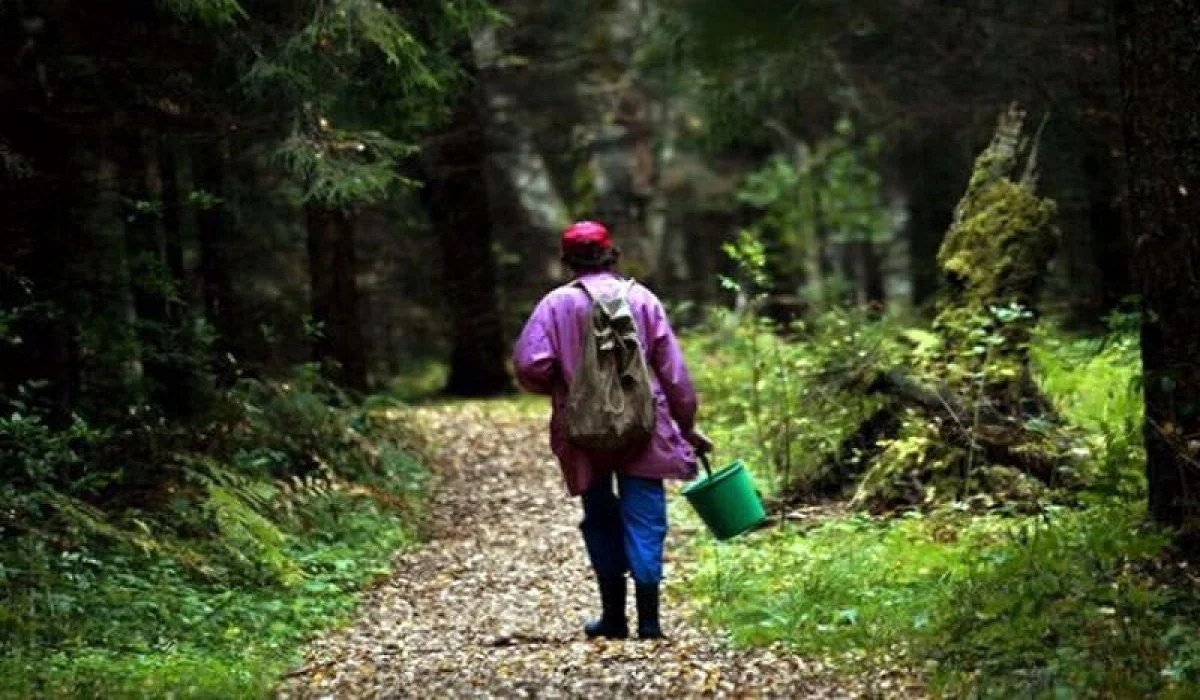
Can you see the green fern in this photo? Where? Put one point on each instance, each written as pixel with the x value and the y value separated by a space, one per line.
pixel 298 493
pixel 141 535
pixel 238 506
pixel 249 537
pixel 211 13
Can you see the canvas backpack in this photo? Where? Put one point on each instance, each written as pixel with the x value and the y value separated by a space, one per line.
pixel 610 403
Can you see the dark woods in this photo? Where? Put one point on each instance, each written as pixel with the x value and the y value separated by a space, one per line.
pixel 197 191
pixel 200 192
pixel 235 237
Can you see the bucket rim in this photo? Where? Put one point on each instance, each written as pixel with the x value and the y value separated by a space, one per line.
pixel 722 474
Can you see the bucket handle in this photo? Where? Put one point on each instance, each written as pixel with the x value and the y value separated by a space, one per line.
pixel 705 463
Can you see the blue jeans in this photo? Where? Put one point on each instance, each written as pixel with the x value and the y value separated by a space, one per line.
pixel 625 532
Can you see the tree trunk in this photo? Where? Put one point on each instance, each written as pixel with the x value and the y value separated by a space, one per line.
pixel 145 243
pixel 993 255
pixel 705 232
pixel 123 346
pixel 333 272
pixel 456 197
pixel 153 240
pixel 849 277
pixel 820 268
pixel 933 173
pixel 215 232
pixel 172 216
pixel 40 239
pixel 1159 39
pixel 1109 223
pixel 872 291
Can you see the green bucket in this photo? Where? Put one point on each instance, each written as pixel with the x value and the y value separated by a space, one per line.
pixel 726 501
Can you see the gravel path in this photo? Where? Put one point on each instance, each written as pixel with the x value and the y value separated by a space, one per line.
pixel 493 605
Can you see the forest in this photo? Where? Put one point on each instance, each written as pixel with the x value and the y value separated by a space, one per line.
pixel 933 266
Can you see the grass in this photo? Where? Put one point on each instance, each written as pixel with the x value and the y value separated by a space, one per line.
pixel 163 632
pixel 212 587
pixel 420 380
pixel 995 606
pixel 760 399
pixel 1071 602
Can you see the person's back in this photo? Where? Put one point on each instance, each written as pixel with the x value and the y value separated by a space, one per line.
pixel 625 532
pixel 549 354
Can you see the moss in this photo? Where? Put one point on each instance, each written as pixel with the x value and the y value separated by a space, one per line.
pixel 995 256
pixel 914 468
pixel 1003 233
pixel 977 358
pixel 998 251
pixel 919 468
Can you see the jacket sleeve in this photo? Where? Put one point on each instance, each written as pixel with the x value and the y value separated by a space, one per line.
pixel 534 361
pixel 667 360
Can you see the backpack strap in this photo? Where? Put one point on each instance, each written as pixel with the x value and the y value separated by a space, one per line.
pixel 588 292
pixel 623 294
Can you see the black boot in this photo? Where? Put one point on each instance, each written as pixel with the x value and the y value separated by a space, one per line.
pixel 647 609
pixel 612 623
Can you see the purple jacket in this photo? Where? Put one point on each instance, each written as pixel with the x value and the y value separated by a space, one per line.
pixel 548 353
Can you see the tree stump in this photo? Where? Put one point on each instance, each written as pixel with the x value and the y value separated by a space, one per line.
pixel 964 419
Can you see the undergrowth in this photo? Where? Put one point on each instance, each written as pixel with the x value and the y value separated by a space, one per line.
pixel 1079 599
pixel 773 401
pixel 200 569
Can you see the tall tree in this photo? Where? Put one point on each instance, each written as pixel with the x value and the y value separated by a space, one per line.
pixel 216 230
pixel 1160 43
pixel 333 269
pixel 927 76
pixel 456 197
pixel 393 67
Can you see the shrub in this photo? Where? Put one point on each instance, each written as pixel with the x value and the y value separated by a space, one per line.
pixel 214 550
pixel 1078 599
pixel 777 401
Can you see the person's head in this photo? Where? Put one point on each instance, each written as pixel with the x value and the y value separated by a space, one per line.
pixel 587 247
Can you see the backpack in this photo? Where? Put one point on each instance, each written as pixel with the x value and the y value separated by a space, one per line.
pixel 610 405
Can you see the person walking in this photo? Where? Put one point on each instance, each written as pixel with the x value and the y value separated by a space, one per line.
pixel 624 523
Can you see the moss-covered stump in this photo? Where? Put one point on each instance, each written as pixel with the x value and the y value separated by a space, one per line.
pixel 993 260
pixel 1002 234
pixel 963 419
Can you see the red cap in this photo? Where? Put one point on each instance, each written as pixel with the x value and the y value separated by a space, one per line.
pixel 582 233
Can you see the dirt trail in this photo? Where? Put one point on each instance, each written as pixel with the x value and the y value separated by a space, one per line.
pixel 493 606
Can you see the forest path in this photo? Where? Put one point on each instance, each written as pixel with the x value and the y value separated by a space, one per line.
pixel 493 605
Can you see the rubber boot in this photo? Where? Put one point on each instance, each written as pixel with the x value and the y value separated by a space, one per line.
pixel 647 610
pixel 612 623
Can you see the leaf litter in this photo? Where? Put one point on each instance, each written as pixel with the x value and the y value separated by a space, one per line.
pixel 494 604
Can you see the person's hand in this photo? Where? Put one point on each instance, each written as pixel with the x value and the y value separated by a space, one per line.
pixel 699 440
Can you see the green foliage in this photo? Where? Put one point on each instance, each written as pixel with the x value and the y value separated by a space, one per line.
pixel 992 606
pixel 342 168
pixel 750 255
pixel 165 632
pixel 211 13
pixel 236 505
pixel 421 379
pixel 1096 385
pixel 977 360
pixel 157 461
pixel 775 397
pixel 396 70
pixel 980 350
pixel 825 194
pixel 774 402
pixel 1073 600
pixel 249 541
pixel 1003 232
pixel 787 404
pixel 34 452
